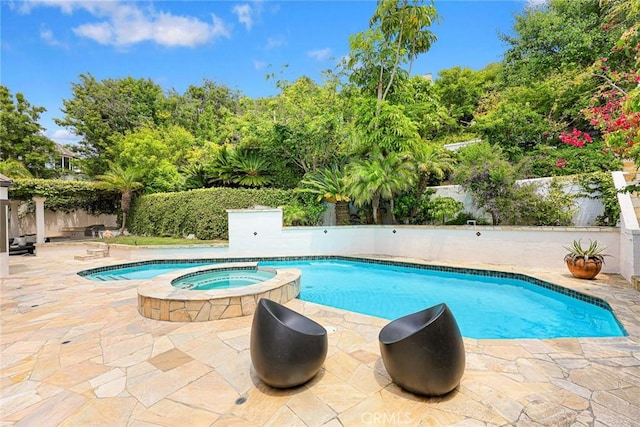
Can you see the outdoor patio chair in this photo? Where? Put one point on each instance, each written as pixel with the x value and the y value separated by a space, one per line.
pixel 287 348
pixel 423 352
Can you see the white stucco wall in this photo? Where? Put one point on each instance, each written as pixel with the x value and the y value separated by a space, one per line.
pixel 587 210
pixel 534 247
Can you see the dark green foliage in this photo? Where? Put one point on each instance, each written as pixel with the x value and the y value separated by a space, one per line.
pixel 555 36
pixel 527 206
pixel 67 196
pixel 600 185
pixel 100 110
pixel 567 160
pixel 201 212
pixel 20 134
pixel 463 217
pixel 304 210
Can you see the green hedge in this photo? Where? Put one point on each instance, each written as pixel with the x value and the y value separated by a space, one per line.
pixel 66 196
pixel 201 212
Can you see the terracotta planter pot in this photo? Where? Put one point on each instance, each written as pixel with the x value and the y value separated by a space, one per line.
pixel 583 270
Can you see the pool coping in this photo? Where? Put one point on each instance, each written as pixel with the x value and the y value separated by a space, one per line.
pixel 158 299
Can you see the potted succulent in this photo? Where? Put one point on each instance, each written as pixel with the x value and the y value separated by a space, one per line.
pixel 585 263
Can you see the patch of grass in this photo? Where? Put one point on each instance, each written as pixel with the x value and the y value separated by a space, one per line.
pixel 151 241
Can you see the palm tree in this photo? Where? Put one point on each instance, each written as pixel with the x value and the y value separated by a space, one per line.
pixel 125 181
pixel 196 176
pixel 431 161
pixel 220 170
pixel 328 184
pixel 379 177
pixel 250 170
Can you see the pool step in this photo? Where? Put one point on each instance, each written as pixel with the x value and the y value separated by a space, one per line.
pixel 94 253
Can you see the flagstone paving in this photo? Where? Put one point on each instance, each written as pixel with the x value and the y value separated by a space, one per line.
pixel 76 352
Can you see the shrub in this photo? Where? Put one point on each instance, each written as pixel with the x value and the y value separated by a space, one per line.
pixel 67 196
pixel 201 212
pixel 599 185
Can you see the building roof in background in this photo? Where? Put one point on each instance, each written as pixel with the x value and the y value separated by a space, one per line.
pixel 65 151
pixel 5 181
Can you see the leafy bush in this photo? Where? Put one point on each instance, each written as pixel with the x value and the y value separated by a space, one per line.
pixel 526 206
pixel 411 210
pixel 599 185
pixel 442 208
pixel 567 160
pixel 303 211
pixel 67 196
pixel 463 217
pixel 201 212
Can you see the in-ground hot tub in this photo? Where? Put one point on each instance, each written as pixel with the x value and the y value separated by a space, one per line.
pixel 209 279
pixel 233 290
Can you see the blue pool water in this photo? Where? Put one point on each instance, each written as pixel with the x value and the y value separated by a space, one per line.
pixel 485 307
pixel 208 280
pixel 142 271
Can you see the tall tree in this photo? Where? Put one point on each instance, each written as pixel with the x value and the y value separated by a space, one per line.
pixel 158 153
pixel 308 124
pixel 460 90
pixel 98 110
pixel 555 35
pixel 21 136
pixel 205 111
pixel 398 32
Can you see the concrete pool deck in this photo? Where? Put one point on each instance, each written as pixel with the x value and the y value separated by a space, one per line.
pixel 76 352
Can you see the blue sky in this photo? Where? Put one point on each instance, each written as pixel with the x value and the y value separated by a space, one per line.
pixel 46 44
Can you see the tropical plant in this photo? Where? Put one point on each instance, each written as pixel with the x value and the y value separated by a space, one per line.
pixel 195 176
pixel 432 162
pixel 124 180
pixel 299 213
pixel 328 184
pixel 379 177
pixel 250 170
pixel 220 169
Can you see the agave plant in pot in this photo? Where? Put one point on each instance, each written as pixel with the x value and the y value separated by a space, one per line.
pixel 585 263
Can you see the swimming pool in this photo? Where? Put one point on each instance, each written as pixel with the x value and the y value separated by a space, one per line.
pixel 485 306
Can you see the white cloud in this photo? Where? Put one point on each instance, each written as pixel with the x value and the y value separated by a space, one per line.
pixel 25 6
pixel 127 24
pixel 274 42
pixel 320 54
pixel 63 136
pixel 536 3
pixel 47 35
pixel 259 65
pixel 245 15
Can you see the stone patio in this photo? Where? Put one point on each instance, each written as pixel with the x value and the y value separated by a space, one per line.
pixel 76 352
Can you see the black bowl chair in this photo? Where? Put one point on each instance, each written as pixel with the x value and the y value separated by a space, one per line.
pixel 287 348
pixel 423 352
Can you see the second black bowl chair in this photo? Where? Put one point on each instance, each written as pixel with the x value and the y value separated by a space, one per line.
pixel 423 352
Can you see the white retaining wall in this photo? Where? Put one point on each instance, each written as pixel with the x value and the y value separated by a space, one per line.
pixel 629 246
pixel 258 233
pixel 587 210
